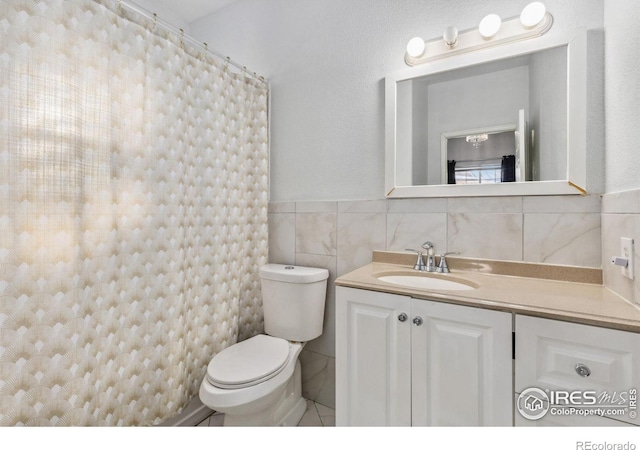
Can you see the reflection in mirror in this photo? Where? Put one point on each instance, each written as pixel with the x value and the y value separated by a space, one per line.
pixel 487 155
pixel 481 158
pixel 519 103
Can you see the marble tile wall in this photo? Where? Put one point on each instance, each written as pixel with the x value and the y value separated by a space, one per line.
pixel 621 218
pixel 341 236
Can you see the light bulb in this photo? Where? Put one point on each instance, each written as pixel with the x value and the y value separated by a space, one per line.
pixel 532 14
pixel 415 47
pixel 450 37
pixel 490 25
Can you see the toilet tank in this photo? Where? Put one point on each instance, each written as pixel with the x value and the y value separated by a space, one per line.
pixel 293 301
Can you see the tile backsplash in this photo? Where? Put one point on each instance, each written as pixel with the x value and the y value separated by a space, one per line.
pixel 341 236
pixel 620 218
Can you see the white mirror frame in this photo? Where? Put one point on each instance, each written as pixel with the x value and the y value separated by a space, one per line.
pixel 575 182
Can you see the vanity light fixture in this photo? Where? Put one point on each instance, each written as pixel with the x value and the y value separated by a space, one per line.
pixel 415 47
pixel 450 37
pixel 532 14
pixel 534 21
pixel 489 26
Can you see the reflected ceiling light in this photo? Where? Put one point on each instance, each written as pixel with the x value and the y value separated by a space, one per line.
pixel 477 139
pixel 415 47
pixel 490 25
pixel 450 37
pixel 533 14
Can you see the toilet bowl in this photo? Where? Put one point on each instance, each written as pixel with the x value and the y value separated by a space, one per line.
pixel 257 382
pixel 272 400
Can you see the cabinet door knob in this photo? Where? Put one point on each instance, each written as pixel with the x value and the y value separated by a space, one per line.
pixel 402 317
pixel 417 321
pixel 583 370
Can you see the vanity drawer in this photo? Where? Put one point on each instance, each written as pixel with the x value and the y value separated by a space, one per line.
pixel 562 356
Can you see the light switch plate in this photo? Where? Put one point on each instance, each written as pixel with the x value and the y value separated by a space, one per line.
pixel 626 249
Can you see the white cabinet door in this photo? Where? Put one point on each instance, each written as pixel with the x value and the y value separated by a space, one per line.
pixel 462 366
pixel 373 358
pixel 559 356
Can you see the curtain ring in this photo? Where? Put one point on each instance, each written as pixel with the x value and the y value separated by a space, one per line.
pixel 226 64
pixel 155 21
pixel 181 37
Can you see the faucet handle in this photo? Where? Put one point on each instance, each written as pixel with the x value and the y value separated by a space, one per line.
pixel 419 265
pixel 443 267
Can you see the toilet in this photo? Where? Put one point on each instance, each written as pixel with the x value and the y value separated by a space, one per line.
pixel 257 382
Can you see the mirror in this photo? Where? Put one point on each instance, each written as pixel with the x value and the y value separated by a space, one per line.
pixel 511 123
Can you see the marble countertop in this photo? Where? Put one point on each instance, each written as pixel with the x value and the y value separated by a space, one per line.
pixel 579 302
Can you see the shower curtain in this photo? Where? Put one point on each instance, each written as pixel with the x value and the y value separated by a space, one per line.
pixel 133 214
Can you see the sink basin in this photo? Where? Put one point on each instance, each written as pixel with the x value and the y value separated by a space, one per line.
pixel 426 282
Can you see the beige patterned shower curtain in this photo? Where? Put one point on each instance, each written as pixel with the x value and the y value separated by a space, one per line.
pixel 133 214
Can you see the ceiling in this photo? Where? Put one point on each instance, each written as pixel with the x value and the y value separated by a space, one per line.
pixel 185 10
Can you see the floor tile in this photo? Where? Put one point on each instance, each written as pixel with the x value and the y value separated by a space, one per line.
pixel 204 423
pixel 316 415
pixel 311 417
pixel 327 415
pixel 216 420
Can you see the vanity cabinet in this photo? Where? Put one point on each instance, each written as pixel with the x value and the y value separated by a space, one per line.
pixel 373 358
pixel 402 361
pixel 553 355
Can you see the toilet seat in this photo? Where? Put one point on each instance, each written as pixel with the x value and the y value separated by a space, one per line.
pixel 249 362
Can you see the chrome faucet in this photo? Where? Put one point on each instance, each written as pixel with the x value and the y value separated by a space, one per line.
pixel 443 267
pixel 431 265
pixel 420 265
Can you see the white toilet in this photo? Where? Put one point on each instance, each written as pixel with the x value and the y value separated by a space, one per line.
pixel 257 382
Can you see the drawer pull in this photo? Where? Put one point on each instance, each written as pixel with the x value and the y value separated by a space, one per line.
pixel 583 370
pixel 417 321
pixel 402 317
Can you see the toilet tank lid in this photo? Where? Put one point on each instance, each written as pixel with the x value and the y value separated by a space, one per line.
pixel 293 274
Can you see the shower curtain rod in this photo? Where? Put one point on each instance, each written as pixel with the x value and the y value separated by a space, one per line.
pixel 184 37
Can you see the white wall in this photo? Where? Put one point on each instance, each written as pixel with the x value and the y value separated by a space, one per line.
pixel 622 94
pixel 621 205
pixel 326 61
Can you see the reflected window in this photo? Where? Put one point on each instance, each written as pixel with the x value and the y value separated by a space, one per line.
pixel 482 172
